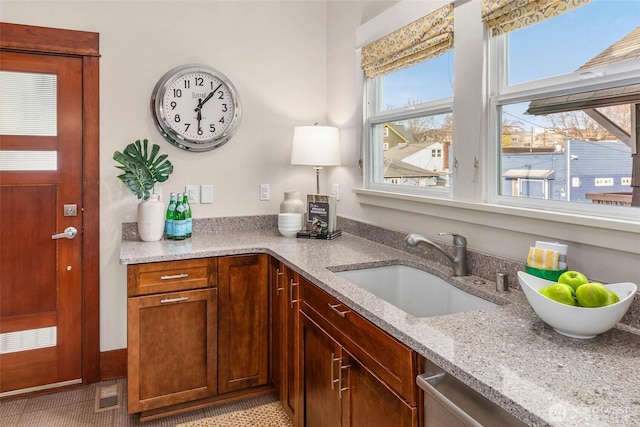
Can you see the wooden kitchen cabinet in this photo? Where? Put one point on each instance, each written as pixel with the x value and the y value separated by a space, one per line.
pixel 197 333
pixel 284 297
pixel 345 357
pixel 242 322
pixel 171 333
pixel 322 393
pixel 371 403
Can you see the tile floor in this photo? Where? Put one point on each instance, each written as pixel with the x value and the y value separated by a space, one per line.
pixel 76 408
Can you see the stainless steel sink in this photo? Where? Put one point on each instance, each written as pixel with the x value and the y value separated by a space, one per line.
pixel 414 291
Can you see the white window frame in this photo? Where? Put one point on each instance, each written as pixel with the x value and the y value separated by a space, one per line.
pixel 471 202
pixel 500 93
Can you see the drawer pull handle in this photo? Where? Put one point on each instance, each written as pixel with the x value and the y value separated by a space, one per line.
pixel 291 285
pixel 175 276
pixel 334 307
pixel 340 378
pixel 278 288
pixel 334 359
pixel 168 300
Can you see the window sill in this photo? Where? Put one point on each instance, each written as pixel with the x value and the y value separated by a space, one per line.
pixel 616 234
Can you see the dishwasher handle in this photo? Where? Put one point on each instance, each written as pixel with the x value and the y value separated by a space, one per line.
pixel 428 383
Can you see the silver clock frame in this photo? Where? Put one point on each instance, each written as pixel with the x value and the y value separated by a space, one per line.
pixel 171 135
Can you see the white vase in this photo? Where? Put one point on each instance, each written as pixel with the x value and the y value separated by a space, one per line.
pixel 292 203
pixel 151 218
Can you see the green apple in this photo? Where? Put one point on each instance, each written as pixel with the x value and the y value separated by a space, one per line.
pixel 592 295
pixel 613 298
pixel 573 279
pixel 560 292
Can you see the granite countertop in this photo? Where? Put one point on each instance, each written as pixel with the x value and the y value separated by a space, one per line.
pixel 506 353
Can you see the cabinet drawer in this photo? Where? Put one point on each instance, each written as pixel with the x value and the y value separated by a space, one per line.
pixel 170 276
pixel 386 357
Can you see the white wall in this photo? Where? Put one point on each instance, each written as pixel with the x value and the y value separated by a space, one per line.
pixel 273 51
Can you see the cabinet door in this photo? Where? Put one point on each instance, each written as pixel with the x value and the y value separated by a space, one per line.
pixel 242 322
pixel 285 345
pixel 367 402
pixel 322 369
pixel 277 303
pixel 171 348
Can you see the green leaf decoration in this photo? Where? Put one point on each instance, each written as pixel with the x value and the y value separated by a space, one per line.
pixel 141 169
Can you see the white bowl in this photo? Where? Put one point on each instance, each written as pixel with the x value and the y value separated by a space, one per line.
pixel 289 233
pixel 290 224
pixel 289 216
pixel 576 322
pixel 291 228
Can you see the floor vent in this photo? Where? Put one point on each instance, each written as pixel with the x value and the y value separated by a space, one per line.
pixel 108 397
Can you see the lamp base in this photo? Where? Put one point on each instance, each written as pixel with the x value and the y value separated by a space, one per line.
pixel 317 169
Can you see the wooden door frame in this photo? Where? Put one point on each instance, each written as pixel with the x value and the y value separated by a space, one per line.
pixel 85 45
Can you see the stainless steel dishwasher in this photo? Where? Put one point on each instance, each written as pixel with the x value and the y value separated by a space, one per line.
pixel 450 403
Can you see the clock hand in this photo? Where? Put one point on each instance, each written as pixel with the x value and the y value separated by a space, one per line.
pixel 209 96
pixel 199 111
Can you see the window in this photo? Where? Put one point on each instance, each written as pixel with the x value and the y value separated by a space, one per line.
pixel 563 99
pixel 498 113
pixel 409 113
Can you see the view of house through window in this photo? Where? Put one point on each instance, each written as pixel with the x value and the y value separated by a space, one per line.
pixel 569 156
pixel 413 144
pixel 576 146
pixel 416 152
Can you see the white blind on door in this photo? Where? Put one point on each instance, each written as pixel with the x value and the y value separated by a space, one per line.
pixel 28 104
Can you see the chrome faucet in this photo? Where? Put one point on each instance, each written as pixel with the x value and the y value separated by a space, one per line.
pixel 459 259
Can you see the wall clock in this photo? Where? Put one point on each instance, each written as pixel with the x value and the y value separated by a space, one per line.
pixel 195 107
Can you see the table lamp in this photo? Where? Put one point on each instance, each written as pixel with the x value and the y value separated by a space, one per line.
pixel 315 146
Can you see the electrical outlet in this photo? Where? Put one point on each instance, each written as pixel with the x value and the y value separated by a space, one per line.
pixel 265 192
pixel 157 189
pixel 206 193
pixel 193 193
pixel 335 189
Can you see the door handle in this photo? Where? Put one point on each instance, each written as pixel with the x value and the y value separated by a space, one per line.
pixel 69 233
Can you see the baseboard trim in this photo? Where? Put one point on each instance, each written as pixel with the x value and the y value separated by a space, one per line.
pixel 113 364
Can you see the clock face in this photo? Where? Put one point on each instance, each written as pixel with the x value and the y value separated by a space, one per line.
pixel 196 107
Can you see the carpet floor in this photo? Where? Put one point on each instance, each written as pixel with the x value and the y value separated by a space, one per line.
pixel 267 415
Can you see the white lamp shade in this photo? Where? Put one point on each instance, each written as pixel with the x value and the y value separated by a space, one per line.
pixel 315 146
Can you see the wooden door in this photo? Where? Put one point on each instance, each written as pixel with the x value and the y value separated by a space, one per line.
pixel 242 322
pixel 321 366
pixel 172 348
pixel 40 187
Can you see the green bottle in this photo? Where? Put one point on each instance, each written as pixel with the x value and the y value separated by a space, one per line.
pixel 179 221
pixel 187 214
pixel 168 224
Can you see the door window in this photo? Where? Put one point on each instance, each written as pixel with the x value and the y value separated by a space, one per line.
pixel 28 104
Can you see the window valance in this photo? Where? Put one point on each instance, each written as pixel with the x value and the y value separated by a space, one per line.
pixel 502 16
pixel 428 37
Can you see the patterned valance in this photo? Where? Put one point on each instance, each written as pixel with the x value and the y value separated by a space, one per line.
pixel 426 38
pixel 502 16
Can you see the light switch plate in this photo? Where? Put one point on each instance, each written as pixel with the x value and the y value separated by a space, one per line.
pixel 335 189
pixel 265 192
pixel 193 193
pixel 206 193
